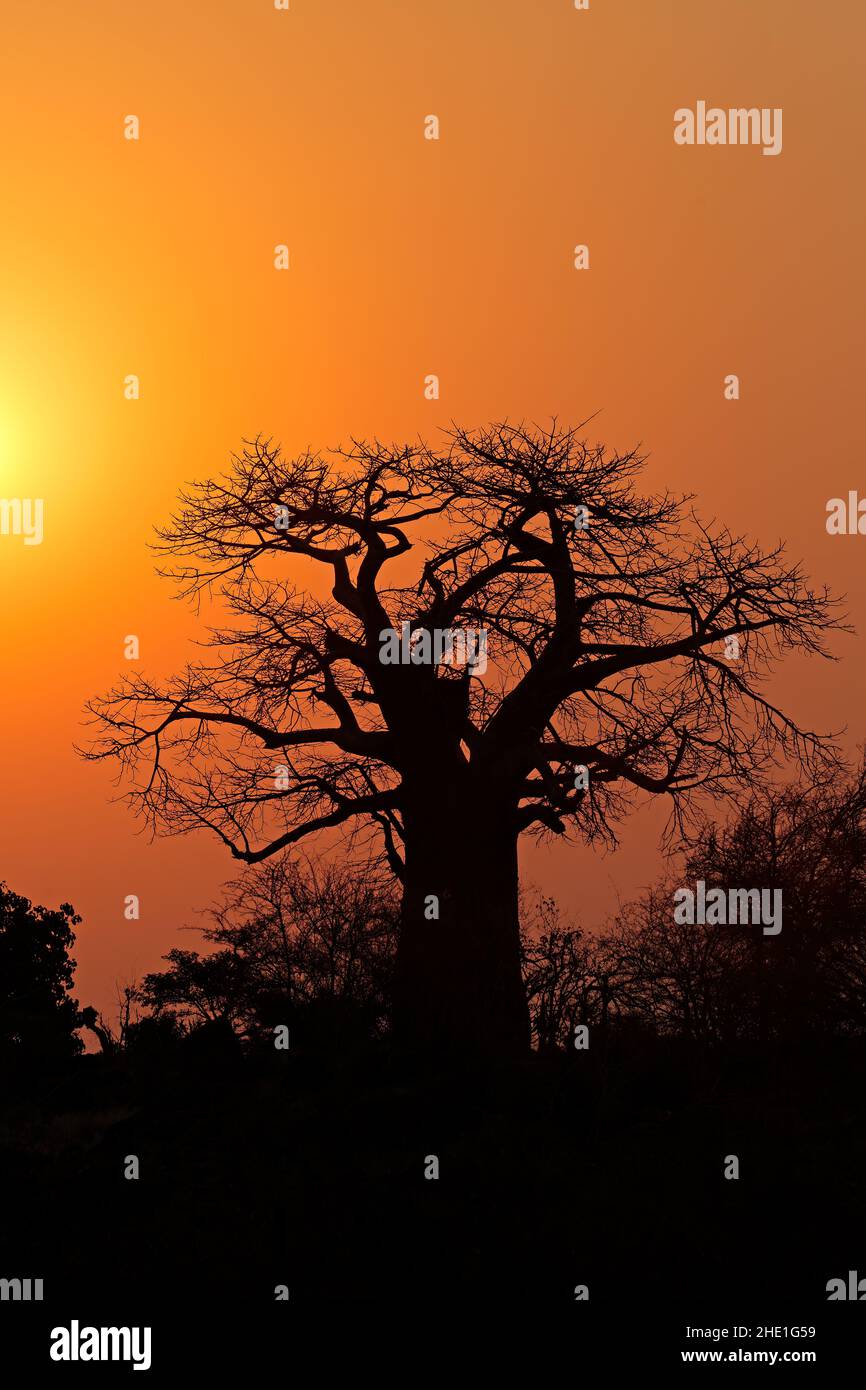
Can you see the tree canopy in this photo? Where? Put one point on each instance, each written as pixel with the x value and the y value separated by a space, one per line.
pixel 38 1014
pixel 606 644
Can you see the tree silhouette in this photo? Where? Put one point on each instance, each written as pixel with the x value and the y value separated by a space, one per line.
pixel 682 980
pixel 725 983
pixel 809 841
pixel 606 615
pixel 563 984
pixel 38 1014
pixel 307 945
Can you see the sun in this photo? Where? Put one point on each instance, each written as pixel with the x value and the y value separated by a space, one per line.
pixel 18 445
pixel 8 447
pixel 5 458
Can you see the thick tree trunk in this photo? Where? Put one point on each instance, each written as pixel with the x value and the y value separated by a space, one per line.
pixel 459 990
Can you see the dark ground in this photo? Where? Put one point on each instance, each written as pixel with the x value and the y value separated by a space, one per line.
pixel 603 1170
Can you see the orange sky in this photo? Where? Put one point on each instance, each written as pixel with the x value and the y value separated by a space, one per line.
pixel 407 257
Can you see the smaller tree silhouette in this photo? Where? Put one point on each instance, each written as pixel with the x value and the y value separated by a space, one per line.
pixel 682 980
pixel 721 983
pixel 302 944
pixel 199 989
pixel 808 840
pixel 38 1014
pixel 564 985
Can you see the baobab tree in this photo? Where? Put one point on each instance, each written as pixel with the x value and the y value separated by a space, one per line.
pixel 627 649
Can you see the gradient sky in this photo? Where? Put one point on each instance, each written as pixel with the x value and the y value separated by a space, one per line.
pixel 407 257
